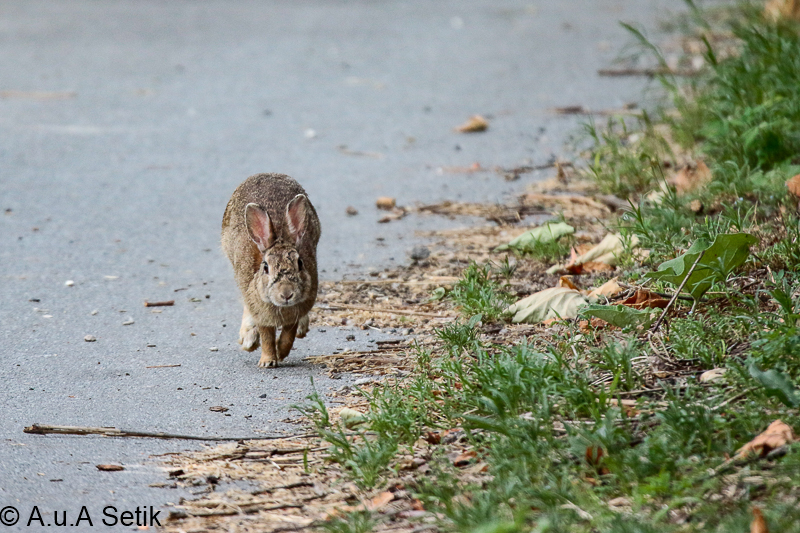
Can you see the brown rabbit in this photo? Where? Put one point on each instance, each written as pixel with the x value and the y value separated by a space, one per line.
pixel 270 232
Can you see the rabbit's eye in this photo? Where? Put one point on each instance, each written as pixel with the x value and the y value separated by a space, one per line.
pixel 266 268
pixel 299 264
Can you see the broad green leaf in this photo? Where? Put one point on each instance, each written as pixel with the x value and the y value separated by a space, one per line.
pixel 549 232
pixel 437 294
pixel 621 316
pixel 726 253
pixel 558 302
pixel 777 385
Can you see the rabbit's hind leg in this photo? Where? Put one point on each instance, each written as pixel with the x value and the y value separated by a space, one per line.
pixel 248 333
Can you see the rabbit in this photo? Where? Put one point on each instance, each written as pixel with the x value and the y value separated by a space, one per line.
pixel 270 233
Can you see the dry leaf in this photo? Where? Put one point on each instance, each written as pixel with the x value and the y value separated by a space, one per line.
pixel 385 202
pixel 475 124
pixel 564 281
pixel 608 289
pixel 777 9
pixel 558 302
pixel 758 525
pixel 379 501
pixel 691 177
pixel 777 434
pixel 710 376
pixel 110 468
pixel 396 214
pixel 606 252
pixel 793 184
pixel 644 299
pixel 464 458
pixel 218 409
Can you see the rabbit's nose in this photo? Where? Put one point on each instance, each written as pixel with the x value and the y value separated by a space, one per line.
pixel 287 294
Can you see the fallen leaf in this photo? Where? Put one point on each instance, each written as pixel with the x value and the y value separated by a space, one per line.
pixel 758 525
pixel 417 505
pixel 564 281
pixel 396 214
pixel 464 458
pixel 644 299
pixel 620 315
pixel 558 302
pixel 607 290
pixel 777 9
pixel 385 202
pixel 110 468
pixel 544 234
pixel 351 418
pixel 218 409
pixel 691 177
pixel 474 124
pixel 710 376
pixel 776 435
pixel 379 501
pixel 606 252
pixel 793 184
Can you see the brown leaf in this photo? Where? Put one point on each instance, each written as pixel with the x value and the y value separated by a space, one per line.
pixel 758 525
pixel 644 298
pixel 464 458
pixel 793 184
pixel 475 124
pixel 564 281
pixel 432 437
pixel 218 409
pixel 385 202
pixel 775 436
pixel 110 468
pixel 777 9
pixel 417 505
pixel 379 501
pixel 691 177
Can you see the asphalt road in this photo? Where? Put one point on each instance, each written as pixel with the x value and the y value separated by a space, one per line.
pixel 126 125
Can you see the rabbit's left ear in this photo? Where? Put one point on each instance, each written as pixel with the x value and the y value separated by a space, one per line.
pixel 296 213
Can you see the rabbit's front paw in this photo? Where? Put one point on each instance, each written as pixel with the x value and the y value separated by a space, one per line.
pixel 248 333
pixel 302 327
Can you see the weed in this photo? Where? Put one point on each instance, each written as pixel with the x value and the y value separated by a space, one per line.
pixel 478 293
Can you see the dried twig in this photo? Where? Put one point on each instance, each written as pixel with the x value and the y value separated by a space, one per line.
pixel 390 311
pixel 165 303
pixel 43 429
pixel 164 366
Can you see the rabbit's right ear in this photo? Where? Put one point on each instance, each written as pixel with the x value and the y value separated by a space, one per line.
pixel 259 226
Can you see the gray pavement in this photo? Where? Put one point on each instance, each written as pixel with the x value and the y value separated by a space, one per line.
pixel 126 125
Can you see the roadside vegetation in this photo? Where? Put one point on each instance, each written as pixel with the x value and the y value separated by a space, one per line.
pixel 628 418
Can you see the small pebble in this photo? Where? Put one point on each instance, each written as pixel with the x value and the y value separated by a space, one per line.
pixel 128 322
pixel 90 338
pixel 420 253
pixel 94 312
pixel 69 283
pixel 214 349
pixel 351 337
pixel 351 211
pixel 263 396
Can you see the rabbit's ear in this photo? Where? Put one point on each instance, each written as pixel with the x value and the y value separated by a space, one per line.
pixel 259 226
pixel 296 216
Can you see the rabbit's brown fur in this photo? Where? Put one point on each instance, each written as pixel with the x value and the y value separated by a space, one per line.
pixel 270 233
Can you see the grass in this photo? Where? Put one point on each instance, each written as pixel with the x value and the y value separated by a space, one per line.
pixel 596 430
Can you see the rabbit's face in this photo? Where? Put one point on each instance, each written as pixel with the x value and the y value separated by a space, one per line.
pixel 283 279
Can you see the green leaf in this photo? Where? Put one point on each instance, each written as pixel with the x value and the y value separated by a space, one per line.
pixel 437 294
pixel 550 232
pixel 777 385
pixel 621 316
pixel 723 256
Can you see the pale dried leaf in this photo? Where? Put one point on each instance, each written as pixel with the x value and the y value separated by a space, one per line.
pixel 608 289
pixel 793 184
pixel 776 435
pixel 691 177
pixel 558 302
pixel 474 124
